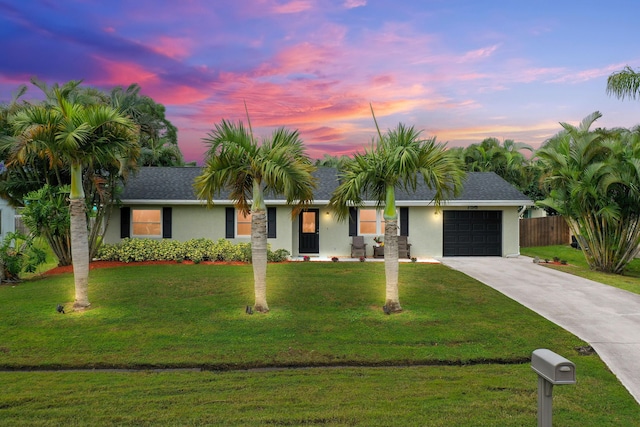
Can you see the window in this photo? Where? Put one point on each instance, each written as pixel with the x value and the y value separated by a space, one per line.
pixel 371 221
pixel 146 222
pixel 243 224
pixel 309 221
pixel 237 224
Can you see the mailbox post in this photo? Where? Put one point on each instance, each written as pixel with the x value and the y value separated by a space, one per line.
pixel 552 369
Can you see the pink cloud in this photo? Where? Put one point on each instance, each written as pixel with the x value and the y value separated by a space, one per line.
pixel 352 4
pixel 295 6
pixel 533 134
pixel 123 74
pixel 172 47
pixel 478 54
pixel 590 74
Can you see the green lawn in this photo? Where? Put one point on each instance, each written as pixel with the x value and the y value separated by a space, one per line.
pixel 457 356
pixel 576 264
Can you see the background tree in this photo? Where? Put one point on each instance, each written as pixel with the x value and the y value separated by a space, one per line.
pixel 505 159
pixel 278 166
pixel 399 158
pixel 71 136
pixel 330 161
pixel 593 180
pixel 158 136
pixel 624 83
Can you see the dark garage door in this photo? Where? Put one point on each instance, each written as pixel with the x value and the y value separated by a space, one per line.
pixel 472 233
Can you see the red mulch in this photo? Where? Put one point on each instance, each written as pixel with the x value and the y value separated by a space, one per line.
pixel 106 264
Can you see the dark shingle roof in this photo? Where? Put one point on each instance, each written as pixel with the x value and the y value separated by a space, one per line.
pixel 176 184
pixel 162 183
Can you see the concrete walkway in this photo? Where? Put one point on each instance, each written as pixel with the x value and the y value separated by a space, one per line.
pixel 606 317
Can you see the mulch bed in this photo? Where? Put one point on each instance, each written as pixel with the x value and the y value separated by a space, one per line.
pixel 108 264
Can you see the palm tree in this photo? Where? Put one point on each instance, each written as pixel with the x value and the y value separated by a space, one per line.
pixel 237 162
pixel 398 159
pixel 593 180
pixel 72 135
pixel 624 83
pixel 40 164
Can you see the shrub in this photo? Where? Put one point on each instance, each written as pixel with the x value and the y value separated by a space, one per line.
pixel 17 254
pixel 279 255
pixel 196 250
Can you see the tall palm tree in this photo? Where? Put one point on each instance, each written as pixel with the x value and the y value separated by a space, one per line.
pixel 237 162
pixel 72 135
pixel 593 180
pixel 624 83
pixel 398 159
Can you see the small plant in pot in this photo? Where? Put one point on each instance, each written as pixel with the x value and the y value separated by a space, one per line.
pixel 334 259
pixel 362 259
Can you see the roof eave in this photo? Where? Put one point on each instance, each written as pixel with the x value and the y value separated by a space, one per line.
pixel 399 203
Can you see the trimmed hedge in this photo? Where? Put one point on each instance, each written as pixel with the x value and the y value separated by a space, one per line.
pixel 196 250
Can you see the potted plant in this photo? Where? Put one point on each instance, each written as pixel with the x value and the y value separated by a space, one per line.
pixel 379 241
pixel 306 258
pixel 334 259
pixel 362 259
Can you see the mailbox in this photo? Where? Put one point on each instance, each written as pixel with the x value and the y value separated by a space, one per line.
pixel 553 367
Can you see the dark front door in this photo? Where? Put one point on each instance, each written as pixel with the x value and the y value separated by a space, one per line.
pixel 309 232
pixel 472 233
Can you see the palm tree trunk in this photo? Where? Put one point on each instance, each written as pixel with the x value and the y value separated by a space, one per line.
pixel 79 238
pixel 391 265
pixel 79 252
pixel 259 258
pixel 392 302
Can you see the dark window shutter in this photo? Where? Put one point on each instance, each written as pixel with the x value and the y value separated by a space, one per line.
pixel 353 222
pixel 166 223
pixel 230 223
pixel 125 223
pixel 404 221
pixel 271 223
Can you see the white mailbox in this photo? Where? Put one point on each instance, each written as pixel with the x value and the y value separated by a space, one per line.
pixel 553 367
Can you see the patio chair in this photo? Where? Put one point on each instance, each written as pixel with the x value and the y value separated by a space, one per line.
pixel 404 247
pixel 358 247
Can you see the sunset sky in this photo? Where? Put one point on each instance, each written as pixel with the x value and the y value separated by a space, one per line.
pixel 460 70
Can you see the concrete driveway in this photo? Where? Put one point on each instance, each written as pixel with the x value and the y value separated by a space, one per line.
pixel 607 318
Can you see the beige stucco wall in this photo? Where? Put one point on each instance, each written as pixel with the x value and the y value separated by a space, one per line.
pixel 333 235
pixel 189 222
pixel 425 232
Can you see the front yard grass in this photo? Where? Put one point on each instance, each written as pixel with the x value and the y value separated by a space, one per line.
pixel 458 355
pixel 577 265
